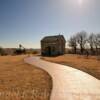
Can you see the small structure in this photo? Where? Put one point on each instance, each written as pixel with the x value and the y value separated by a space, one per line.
pixel 53 45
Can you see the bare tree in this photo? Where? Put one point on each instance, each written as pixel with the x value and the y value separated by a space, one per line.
pixel 98 43
pixel 91 41
pixel 81 40
pixel 73 43
pixel 98 39
pixel 20 46
pixel 86 44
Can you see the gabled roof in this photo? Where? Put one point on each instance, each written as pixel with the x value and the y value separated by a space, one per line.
pixel 53 38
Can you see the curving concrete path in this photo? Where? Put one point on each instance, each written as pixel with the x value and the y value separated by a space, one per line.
pixel 69 83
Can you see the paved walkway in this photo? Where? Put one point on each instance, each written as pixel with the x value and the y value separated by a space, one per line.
pixel 69 83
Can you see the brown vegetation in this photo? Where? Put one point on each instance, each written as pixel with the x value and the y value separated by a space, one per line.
pixel 90 65
pixel 20 81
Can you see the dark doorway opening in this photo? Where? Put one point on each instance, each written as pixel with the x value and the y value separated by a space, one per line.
pixel 48 51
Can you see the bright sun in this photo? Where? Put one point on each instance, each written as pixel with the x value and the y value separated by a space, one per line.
pixel 80 2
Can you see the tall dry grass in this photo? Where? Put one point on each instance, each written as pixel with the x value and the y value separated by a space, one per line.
pixel 20 81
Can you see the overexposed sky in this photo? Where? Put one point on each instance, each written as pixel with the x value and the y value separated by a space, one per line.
pixel 27 21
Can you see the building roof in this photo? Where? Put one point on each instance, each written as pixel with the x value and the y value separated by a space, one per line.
pixel 53 38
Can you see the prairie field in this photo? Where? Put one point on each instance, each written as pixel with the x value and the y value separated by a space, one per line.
pixel 91 65
pixel 21 81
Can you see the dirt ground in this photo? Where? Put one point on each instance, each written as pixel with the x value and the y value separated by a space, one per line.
pixel 90 65
pixel 20 81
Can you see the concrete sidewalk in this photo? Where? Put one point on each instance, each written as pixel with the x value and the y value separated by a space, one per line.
pixel 69 83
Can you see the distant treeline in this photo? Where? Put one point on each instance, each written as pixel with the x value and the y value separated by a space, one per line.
pixel 17 51
pixel 85 43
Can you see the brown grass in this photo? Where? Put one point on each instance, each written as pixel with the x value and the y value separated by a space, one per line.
pixel 20 81
pixel 90 65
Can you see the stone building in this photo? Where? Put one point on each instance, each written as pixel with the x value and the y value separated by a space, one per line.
pixel 53 45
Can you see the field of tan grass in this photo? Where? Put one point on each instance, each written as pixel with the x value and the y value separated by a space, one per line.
pixel 20 81
pixel 90 65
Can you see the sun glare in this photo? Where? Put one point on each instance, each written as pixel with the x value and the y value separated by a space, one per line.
pixel 80 2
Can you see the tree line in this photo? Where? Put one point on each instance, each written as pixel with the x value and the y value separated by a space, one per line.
pixel 84 43
pixel 17 51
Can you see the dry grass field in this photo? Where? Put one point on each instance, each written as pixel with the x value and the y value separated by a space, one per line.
pixel 20 81
pixel 90 65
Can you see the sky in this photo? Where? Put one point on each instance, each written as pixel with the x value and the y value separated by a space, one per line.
pixel 26 22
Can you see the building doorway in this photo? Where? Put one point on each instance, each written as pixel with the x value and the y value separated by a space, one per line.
pixel 49 51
